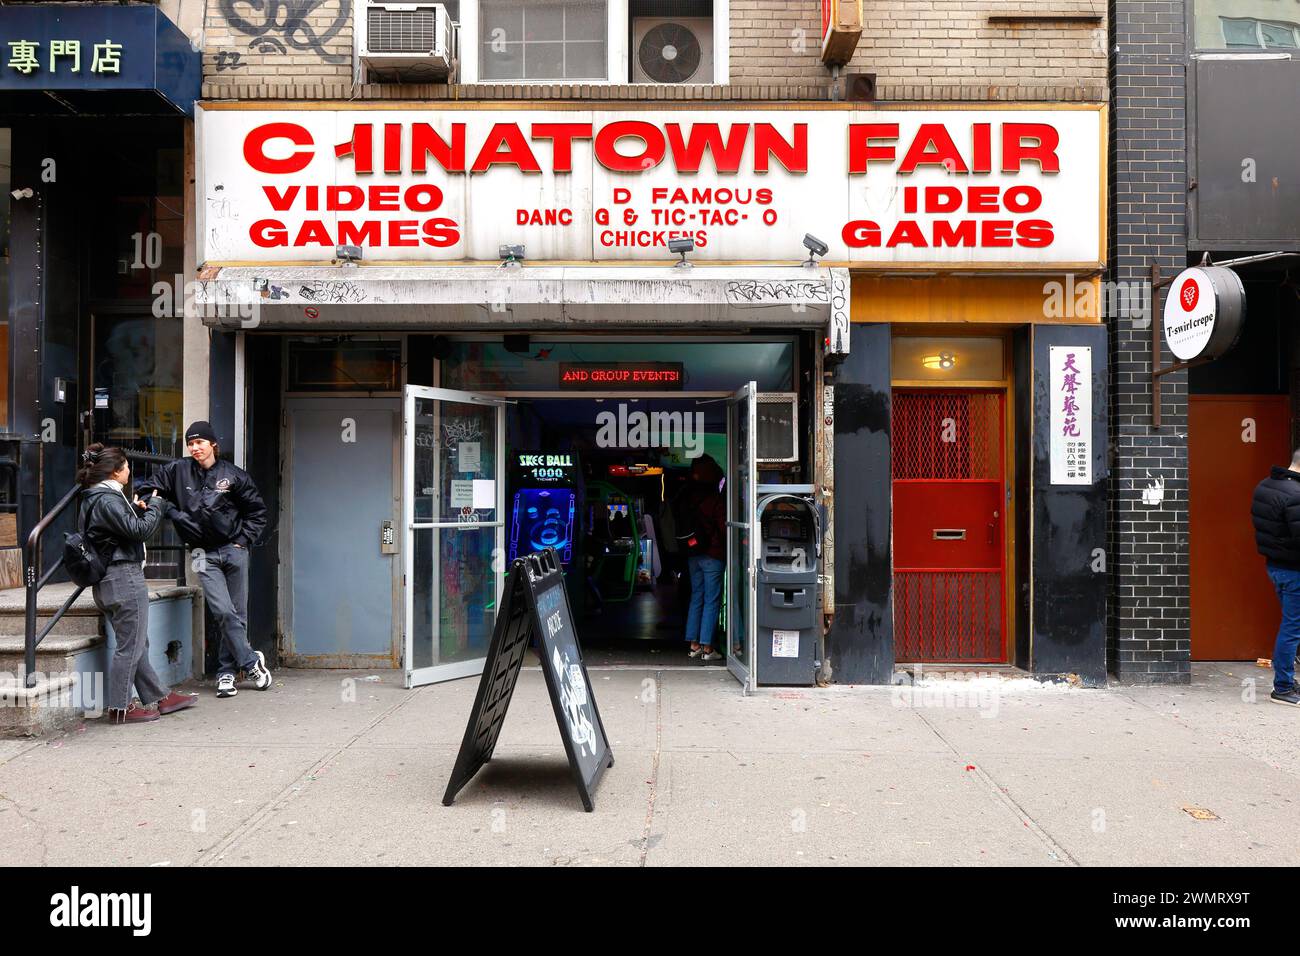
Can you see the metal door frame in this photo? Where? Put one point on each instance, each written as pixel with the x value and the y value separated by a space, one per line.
pixel 743 401
pixel 284 609
pixel 410 393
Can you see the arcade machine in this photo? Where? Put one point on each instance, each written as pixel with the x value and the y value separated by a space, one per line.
pixel 544 508
pixel 613 528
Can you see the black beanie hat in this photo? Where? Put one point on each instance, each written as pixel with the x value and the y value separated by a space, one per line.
pixel 200 430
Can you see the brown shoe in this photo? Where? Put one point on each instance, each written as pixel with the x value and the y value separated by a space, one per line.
pixel 174 702
pixel 135 714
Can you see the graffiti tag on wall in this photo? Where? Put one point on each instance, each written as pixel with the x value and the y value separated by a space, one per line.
pixel 276 26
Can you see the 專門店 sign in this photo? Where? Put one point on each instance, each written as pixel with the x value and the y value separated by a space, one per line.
pixel 91 48
pixel 951 187
pixel 1070 417
pixel 64 54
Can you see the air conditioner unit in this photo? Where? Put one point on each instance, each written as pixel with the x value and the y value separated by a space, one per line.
pixel 672 50
pixel 406 42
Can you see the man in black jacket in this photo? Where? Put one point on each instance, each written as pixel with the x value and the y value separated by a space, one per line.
pixel 216 508
pixel 1275 512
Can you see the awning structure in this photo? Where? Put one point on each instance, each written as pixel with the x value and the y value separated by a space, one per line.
pixel 68 59
pixel 533 297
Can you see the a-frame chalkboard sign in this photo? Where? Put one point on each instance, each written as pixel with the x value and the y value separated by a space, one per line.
pixel 535 603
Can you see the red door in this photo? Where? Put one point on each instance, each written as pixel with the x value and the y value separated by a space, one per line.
pixel 1235 612
pixel 949 526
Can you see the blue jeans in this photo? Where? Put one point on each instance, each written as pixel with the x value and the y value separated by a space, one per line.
pixel 1287 583
pixel 706 598
pixel 225 587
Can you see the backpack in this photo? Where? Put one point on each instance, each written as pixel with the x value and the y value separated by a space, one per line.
pixel 691 529
pixel 84 563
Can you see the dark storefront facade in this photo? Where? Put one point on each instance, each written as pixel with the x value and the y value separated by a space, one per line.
pixel 95 103
pixel 1202 175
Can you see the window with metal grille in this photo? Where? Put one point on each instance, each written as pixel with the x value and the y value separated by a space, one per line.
pixel 543 39
pixel 401 31
pixel 948 434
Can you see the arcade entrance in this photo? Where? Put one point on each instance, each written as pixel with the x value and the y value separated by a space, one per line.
pixel 429 491
pixel 611 481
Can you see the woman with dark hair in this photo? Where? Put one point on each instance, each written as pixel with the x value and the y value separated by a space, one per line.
pixel 117 531
pixel 703 533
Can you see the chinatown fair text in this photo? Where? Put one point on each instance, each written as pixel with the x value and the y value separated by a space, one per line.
pixel 962 212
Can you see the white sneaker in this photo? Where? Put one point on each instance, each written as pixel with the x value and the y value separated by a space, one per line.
pixel 226 686
pixel 695 652
pixel 711 656
pixel 259 675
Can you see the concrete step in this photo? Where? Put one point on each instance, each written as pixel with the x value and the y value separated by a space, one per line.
pixel 54 655
pixel 72 662
pixel 58 701
pixel 82 618
pixel 78 620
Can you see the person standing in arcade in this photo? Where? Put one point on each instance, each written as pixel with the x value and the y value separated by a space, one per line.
pixel 702 533
pixel 216 507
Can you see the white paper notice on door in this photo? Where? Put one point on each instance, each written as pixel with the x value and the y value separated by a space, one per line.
pixel 462 494
pixel 469 456
pixel 1070 419
pixel 785 643
pixel 485 493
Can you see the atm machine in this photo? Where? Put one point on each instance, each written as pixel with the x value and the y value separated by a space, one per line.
pixel 788 611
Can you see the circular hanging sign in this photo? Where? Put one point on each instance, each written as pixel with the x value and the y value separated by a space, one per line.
pixel 1204 312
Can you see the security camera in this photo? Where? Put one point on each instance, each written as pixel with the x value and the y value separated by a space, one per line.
pixel 511 255
pixel 681 247
pixel 24 193
pixel 815 248
pixel 349 255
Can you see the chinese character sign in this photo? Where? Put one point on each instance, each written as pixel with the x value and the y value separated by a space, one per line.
pixel 64 57
pixel 1070 399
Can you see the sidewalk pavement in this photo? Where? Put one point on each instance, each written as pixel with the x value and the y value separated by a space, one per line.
pixel 992 771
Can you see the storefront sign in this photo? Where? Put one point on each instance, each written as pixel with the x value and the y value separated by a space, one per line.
pixel 953 188
pixel 622 376
pixel 1205 311
pixel 1070 396
pixel 91 48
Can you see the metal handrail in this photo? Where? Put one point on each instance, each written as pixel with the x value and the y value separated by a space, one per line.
pixel 33 585
pixel 31 561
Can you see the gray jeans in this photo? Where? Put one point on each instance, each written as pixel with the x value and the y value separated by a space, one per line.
pixel 124 597
pixel 224 576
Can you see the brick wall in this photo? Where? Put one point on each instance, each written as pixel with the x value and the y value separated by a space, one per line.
pixel 1149 618
pixel 949 49
pixel 249 45
pixel 919 50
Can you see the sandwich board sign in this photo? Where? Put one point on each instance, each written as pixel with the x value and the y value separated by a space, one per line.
pixel 535 604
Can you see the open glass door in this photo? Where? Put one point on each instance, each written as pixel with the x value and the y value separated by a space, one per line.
pixel 453 508
pixel 742 546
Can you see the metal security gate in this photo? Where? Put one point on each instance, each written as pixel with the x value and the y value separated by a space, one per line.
pixel 949 526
